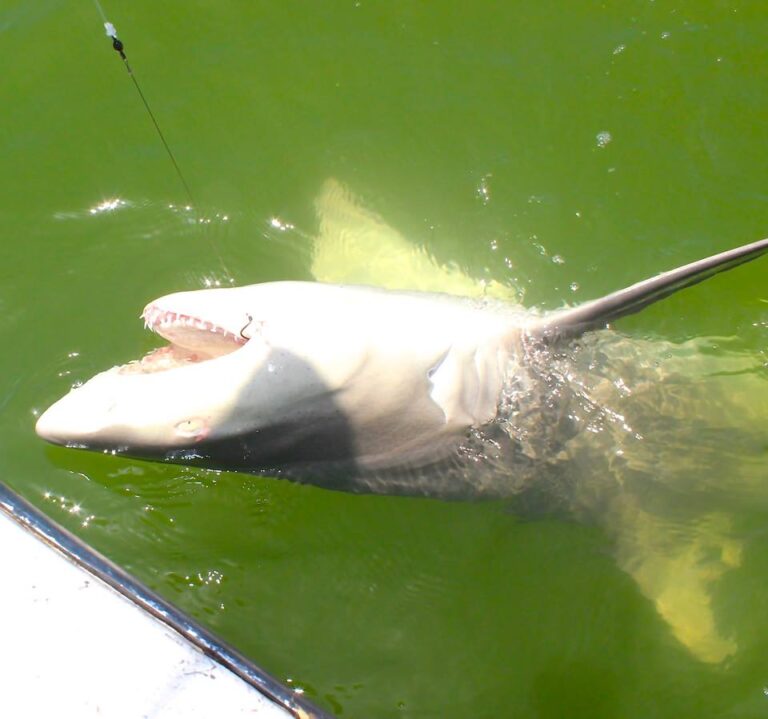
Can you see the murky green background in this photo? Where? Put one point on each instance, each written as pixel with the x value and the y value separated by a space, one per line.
pixel 567 148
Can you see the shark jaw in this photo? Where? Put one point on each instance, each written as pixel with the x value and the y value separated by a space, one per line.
pixel 192 338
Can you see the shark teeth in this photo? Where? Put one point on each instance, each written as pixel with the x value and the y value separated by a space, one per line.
pixel 157 319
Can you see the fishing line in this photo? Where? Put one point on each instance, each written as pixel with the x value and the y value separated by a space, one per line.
pixel 119 47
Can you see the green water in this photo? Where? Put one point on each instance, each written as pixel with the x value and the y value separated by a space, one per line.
pixel 564 148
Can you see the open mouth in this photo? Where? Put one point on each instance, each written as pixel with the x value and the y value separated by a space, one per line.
pixel 191 340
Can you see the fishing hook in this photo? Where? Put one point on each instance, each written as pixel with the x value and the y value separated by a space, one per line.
pixel 246 326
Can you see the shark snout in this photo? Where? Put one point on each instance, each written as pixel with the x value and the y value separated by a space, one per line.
pixel 75 419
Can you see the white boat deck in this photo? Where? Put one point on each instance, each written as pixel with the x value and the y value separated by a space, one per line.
pixel 72 646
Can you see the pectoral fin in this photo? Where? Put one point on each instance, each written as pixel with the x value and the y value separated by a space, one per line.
pixel 677 568
pixel 355 246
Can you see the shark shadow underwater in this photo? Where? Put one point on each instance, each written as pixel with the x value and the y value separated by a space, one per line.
pixel 408 392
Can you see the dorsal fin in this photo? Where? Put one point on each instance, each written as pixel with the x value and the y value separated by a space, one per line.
pixel 597 313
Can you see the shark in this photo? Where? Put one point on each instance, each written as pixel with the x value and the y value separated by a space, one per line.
pixel 395 374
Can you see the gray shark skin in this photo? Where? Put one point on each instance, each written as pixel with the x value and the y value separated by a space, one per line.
pixel 403 392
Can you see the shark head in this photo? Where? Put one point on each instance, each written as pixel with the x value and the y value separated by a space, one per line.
pixel 264 376
pixel 165 400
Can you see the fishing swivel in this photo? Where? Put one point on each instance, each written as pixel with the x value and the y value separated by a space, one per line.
pixel 117 44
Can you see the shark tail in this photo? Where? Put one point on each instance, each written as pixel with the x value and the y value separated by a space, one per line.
pixel 574 321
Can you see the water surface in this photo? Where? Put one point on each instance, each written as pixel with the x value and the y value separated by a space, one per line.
pixel 560 150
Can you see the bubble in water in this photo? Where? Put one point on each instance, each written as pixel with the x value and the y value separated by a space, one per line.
pixel 603 138
pixel 619 49
pixel 558 259
pixel 574 286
